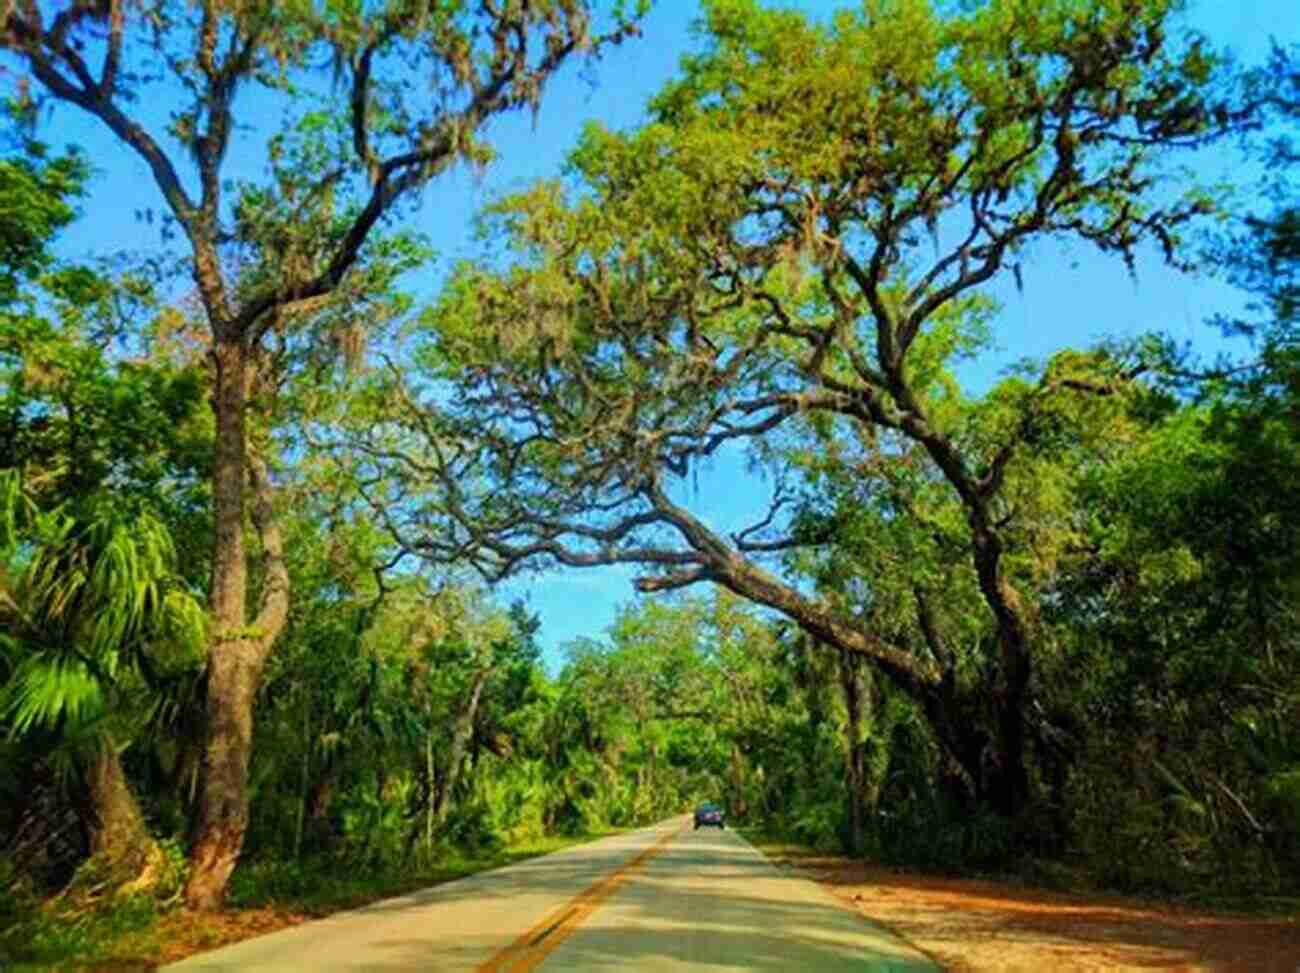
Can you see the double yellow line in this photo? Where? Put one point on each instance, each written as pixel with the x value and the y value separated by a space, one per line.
pixel 529 949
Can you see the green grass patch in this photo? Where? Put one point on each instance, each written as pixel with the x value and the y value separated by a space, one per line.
pixel 321 886
pixel 50 936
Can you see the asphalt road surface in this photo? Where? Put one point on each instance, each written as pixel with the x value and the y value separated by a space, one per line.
pixel 664 898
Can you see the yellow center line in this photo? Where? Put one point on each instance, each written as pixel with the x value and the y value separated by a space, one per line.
pixel 531 947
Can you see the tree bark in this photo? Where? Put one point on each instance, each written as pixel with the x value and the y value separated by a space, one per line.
pixel 233 674
pixel 122 851
pixel 237 652
pixel 459 741
pixel 233 666
pixel 1008 778
pixel 116 822
pixel 851 684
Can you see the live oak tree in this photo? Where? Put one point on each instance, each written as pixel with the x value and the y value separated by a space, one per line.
pixel 799 239
pixel 378 99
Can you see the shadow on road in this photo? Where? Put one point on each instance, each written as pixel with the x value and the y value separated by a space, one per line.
pixel 706 901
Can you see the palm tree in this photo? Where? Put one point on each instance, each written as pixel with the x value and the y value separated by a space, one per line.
pixel 92 612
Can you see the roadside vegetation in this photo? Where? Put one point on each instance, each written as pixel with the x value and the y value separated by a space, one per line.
pixel 256 488
pixel 142 931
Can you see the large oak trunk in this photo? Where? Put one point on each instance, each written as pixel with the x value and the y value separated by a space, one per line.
pixel 234 659
pixel 990 771
pixel 233 675
pixel 1008 790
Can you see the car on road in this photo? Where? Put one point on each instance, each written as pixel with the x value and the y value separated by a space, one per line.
pixel 709 814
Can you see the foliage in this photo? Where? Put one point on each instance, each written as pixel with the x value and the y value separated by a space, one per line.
pixel 374 101
pixel 1049 623
pixel 789 267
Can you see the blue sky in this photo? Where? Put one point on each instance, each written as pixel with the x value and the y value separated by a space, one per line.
pixel 1069 298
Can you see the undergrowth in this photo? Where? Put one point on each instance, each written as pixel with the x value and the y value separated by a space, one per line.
pixel 986 852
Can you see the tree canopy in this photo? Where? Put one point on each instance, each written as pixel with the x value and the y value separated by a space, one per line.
pixel 1039 619
pixel 788 257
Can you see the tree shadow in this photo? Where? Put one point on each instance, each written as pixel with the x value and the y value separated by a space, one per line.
pixel 704 901
pixel 948 915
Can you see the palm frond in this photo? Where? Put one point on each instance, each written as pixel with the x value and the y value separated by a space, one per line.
pixel 99 599
pixel 47 688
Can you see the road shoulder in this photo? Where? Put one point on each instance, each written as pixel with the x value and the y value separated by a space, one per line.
pixel 450 926
pixel 974 925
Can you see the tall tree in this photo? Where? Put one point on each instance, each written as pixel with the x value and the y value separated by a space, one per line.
pixel 800 238
pixel 392 94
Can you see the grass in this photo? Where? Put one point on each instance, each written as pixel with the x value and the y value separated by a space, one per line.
pixel 264 896
pixel 317 888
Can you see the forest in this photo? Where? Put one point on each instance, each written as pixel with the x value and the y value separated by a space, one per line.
pixel 261 487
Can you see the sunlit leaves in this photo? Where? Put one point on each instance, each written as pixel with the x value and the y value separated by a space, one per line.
pixel 36 200
pixel 47 688
pixel 88 605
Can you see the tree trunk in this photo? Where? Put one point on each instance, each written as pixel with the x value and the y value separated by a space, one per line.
pixel 237 653
pixel 851 683
pixel 1006 777
pixel 116 823
pixel 233 674
pixel 991 772
pixel 123 854
pixel 459 741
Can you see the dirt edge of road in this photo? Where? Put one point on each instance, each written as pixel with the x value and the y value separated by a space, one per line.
pixel 979 926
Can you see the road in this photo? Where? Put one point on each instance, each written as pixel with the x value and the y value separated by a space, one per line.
pixel 664 898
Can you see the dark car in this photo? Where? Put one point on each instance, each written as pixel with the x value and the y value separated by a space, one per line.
pixel 709 814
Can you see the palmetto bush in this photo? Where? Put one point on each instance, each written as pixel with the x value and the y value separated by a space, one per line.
pixel 95 623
